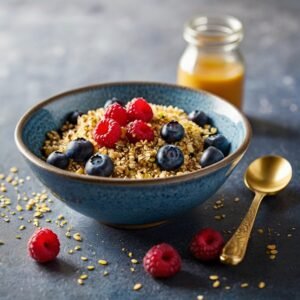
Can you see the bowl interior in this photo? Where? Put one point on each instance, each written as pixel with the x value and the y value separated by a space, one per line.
pixel 51 114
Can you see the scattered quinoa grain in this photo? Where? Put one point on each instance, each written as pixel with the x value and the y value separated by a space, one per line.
pixel 216 284
pixel 105 273
pixel 134 261
pixel 22 227
pixel 227 287
pixel 13 170
pixel 83 258
pixel 200 297
pixel 213 277
pixel 271 247
pixel 77 248
pixel 84 276
pixel 261 285
pixel 77 237
pixel 80 281
pixel 244 285
pixel 90 268
pixel 102 262
pixel 137 286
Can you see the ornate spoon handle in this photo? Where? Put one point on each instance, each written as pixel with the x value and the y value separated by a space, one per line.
pixel 235 249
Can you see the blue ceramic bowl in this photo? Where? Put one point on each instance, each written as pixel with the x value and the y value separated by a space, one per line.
pixel 130 202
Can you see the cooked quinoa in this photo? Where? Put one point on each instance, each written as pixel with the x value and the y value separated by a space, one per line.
pixel 135 160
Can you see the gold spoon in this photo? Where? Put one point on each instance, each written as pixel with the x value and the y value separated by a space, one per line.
pixel 266 175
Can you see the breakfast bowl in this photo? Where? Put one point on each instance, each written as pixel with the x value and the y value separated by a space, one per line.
pixel 131 203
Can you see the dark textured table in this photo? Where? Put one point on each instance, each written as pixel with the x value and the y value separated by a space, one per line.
pixel 50 46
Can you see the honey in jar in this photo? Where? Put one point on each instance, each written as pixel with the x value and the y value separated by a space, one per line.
pixel 212 60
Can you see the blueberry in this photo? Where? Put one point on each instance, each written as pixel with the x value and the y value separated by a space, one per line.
pixel 169 157
pixel 58 159
pixel 199 117
pixel 99 165
pixel 210 156
pixel 112 101
pixel 80 150
pixel 172 132
pixel 219 141
pixel 73 117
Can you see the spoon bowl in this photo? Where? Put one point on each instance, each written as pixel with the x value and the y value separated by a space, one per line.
pixel 268 174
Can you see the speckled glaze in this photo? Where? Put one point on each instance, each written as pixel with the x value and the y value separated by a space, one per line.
pixel 131 202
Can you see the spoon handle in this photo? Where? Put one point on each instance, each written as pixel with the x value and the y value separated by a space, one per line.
pixel 235 249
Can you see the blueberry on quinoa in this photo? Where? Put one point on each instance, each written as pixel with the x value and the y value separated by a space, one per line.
pixel 80 150
pixel 58 159
pixel 112 101
pixel 199 117
pixel 169 158
pixel 219 141
pixel 172 132
pixel 73 117
pixel 99 165
pixel 210 156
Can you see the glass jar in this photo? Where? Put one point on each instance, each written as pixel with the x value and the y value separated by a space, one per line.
pixel 212 60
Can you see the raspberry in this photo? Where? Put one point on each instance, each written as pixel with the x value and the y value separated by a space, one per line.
pixel 139 109
pixel 138 131
pixel 43 246
pixel 207 244
pixel 162 261
pixel 107 133
pixel 117 113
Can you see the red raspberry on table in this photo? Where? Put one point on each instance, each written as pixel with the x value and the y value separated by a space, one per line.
pixel 139 131
pixel 139 109
pixel 207 244
pixel 107 133
pixel 43 246
pixel 117 113
pixel 162 261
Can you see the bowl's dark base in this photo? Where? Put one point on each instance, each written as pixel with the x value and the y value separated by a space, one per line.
pixel 134 226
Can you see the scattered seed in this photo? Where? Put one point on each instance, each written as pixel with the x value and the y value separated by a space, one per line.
pixel 102 262
pixel 22 227
pixel 132 269
pixel 68 234
pixel 137 286
pixel 261 284
pixel 3 189
pixel 60 217
pixel 217 217
pixel 19 208
pixel 71 251
pixel 2 176
pixel 49 221
pixel 213 277
pixel 130 254
pixel 260 231
pixel 80 281
pixel 105 273
pixel 77 248
pixel 272 257
pixel 9 179
pixel 83 258
pixel 77 237
pixel 271 247
pixel 244 285
pixel 18 237
pixel 200 297
pixel 236 199
pixel 84 276
pixel 134 261
pixel 90 268
pixel 274 251
pixel 227 287
pixel 1 243
pixel 289 235
pixel 13 170
pixel 216 284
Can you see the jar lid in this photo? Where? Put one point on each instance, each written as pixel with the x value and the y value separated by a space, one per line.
pixel 213 31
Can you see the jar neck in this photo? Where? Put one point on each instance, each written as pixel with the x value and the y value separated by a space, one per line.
pixel 214 34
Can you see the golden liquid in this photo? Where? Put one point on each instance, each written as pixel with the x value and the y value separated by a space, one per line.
pixel 218 76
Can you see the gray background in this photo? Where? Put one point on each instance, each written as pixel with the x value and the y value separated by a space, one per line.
pixel 50 46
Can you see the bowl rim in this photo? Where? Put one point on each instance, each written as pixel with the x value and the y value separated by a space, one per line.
pixel 120 181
